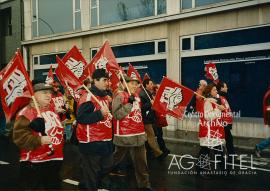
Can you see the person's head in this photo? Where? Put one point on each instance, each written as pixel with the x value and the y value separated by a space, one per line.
pixel 148 84
pixel 42 92
pixel 55 87
pixel 210 90
pixel 101 79
pixel 222 87
pixel 87 83
pixel 132 84
pixel 202 84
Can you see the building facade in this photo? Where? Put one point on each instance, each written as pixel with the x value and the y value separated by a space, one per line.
pixel 163 37
pixel 10 29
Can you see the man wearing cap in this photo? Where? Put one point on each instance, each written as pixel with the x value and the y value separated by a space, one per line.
pixel 94 132
pixel 129 133
pixel 40 140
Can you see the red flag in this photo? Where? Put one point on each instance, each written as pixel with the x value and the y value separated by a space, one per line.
pixel 67 78
pixel 13 86
pixel 211 72
pixel 146 77
pixel 104 59
pixel 133 73
pixel 172 98
pixel 49 79
pixel 75 61
pixel 114 80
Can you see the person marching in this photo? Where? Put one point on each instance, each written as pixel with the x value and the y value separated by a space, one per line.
pixel 129 133
pixel 149 118
pixel 40 163
pixel 211 131
pixel 227 119
pixel 94 132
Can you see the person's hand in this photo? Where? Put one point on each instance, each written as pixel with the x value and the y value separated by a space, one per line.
pixel 221 107
pixel 45 140
pixel 131 99
pixel 152 101
pixel 60 110
pixel 104 110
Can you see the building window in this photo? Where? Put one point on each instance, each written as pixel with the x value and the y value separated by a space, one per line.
pixel 186 43
pixel 46 59
pixel 187 4
pixel 161 46
pixel 44 14
pixel 232 38
pixel 139 49
pixel 5 22
pixel 93 52
pixel 113 11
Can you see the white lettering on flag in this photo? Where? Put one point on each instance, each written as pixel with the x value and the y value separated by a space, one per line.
pixel 171 96
pixel 213 72
pixel 14 86
pixel 101 63
pixel 75 66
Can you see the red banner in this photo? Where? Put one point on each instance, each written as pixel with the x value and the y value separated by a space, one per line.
pixel 172 98
pixel 75 61
pixel 67 78
pixel 104 59
pixel 146 77
pixel 133 73
pixel 211 72
pixel 49 79
pixel 15 86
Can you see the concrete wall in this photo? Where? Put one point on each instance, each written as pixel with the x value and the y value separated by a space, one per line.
pixel 11 43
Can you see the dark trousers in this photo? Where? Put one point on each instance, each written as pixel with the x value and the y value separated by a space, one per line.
pixel 94 167
pixel 160 140
pixel 229 141
pixel 42 175
pixel 138 156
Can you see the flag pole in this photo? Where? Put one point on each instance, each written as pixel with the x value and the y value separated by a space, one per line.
pixel 125 82
pixel 206 98
pixel 146 92
pixel 36 105
pixel 95 98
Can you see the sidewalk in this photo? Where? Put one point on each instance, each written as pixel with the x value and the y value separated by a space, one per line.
pixel 191 137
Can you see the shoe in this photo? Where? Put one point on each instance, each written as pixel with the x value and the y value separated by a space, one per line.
pixel 147 189
pixel 258 152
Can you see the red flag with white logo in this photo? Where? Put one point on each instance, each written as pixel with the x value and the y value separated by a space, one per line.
pixel 146 77
pixel 67 78
pixel 211 72
pixel 114 80
pixel 15 84
pixel 172 98
pixel 104 59
pixel 49 79
pixel 75 61
pixel 133 73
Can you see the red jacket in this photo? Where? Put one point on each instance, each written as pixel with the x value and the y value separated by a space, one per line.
pixel 99 131
pixel 131 124
pixel 54 129
pixel 226 115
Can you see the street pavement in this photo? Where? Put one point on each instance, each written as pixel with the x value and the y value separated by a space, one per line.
pixel 176 173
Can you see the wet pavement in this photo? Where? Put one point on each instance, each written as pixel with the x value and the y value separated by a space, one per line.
pixel 176 173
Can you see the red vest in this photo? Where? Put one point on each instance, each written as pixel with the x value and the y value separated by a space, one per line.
pixel 53 129
pixel 214 126
pixel 100 131
pixel 226 115
pixel 132 124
